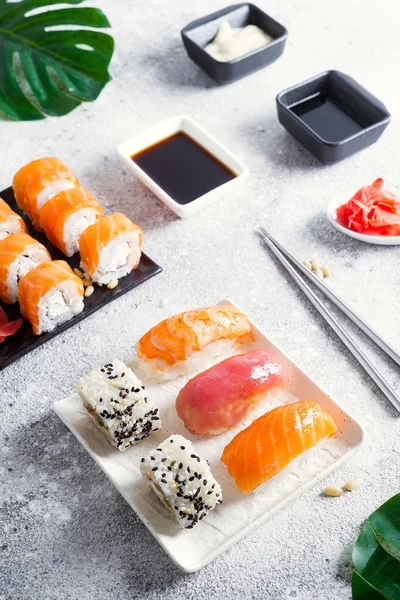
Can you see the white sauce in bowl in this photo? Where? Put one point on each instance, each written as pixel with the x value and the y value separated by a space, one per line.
pixel 234 42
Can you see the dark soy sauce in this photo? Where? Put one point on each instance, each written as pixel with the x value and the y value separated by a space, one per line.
pixel 326 118
pixel 182 168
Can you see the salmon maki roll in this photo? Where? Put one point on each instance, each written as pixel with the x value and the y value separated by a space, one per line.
pixel 271 442
pixel 19 254
pixel 50 295
pixel 10 222
pixel 39 181
pixel 110 249
pixel 188 341
pixel 65 216
pixel 220 397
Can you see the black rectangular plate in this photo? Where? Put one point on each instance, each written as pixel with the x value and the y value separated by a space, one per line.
pixel 24 341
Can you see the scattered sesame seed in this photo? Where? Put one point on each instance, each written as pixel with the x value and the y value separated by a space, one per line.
pixel 89 291
pixel 112 284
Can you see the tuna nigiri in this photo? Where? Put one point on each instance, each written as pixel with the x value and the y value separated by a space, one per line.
pixel 49 295
pixel 269 444
pixel 110 249
pixel 19 254
pixel 10 222
pixel 39 181
pixel 180 344
pixel 65 216
pixel 219 398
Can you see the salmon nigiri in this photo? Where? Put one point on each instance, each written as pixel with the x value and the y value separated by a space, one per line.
pixel 49 295
pixel 37 182
pixel 110 248
pixel 10 222
pixel 220 397
pixel 171 348
pixel 65 216
pixel 19 254
pixel 269 444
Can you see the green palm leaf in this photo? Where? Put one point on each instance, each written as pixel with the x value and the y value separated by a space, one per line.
pixel 51 59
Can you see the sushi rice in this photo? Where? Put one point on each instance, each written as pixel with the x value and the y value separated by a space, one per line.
pixel 182 480
pixel 117 403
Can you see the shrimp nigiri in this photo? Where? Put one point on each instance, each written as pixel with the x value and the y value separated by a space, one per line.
pixel 10 222
pixel 37 182
pixel 180 344
pixel 272 441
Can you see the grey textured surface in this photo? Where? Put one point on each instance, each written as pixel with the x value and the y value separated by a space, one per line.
pixel 65 532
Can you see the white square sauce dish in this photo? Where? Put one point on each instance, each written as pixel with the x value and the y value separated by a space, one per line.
pixel 182 164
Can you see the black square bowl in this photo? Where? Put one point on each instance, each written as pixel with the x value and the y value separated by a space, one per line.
pixel 201 32
pixel 332 115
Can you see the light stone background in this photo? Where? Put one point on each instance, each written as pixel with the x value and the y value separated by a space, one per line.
pixel 65 531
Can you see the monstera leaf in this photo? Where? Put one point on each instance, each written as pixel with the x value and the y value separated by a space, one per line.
pixel 376 555
pixel 51 57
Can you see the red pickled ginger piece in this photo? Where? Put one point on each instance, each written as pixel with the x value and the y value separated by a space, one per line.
pixel 372 210
pixel 8 328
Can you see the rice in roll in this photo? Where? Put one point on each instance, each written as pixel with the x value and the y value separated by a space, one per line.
pixel 67 215
pixel 19 254
pixel 50 295
pixel 37 182
pixel 182 480
pixel 110 249
pixel 117 402
pixel 10 222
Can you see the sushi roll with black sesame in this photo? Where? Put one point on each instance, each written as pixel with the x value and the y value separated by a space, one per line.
pixel 116 401
pixel 182 480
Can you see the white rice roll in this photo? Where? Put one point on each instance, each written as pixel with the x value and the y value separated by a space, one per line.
pixel 182 480
pixel 10 222
pixel 19 254
pixel 117 403
pixel 110 249
pixel 50 295
pixel 67 215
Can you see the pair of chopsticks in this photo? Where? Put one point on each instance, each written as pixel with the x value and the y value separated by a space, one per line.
pixel 284 257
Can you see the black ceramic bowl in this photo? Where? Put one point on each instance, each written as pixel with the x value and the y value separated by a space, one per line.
pixel 199 33
pixel 332 115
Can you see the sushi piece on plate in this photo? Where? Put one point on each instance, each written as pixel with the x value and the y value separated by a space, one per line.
pixel 182 480
pixel 50 295
pixel 219 398
pixel 186 342
pixel 65 216
pixel 110 249
pixel 10 222
pixel 19 254
pixel 37 182
pixel 117 403
pixel 272 441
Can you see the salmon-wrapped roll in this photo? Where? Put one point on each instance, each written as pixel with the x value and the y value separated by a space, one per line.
pixel 49 295
pixel 19 254
pixel 65 216
pixel 111 248
pixel 39 181
pixel 10 222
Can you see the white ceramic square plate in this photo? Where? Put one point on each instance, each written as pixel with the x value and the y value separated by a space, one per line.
pixel 167 128
pixel 239 514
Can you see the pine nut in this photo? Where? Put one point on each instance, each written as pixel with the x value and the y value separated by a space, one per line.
pixel 89 291
pixel 315 264
pixel 351 485
pixel 327 272
pixel 86 282
pixel 113 284
pixel 319 273
pixel 333 490
pixel 307 263
pixel 79 273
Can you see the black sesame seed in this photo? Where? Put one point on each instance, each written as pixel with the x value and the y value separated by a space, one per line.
pixel 159 450
pixel 180 466
pixel 103 370
pixel 152 458
pixel 204 481
pixel 171 441
pixel 169 468
pixel 193 456
pixel 213 486
pixel 191 478
pixel 143 387
pixel 188 469
pixel 163 459
pixel 155 469
pixel 142 460
pixel 198 458
pixel 182 447
pixel 179 495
